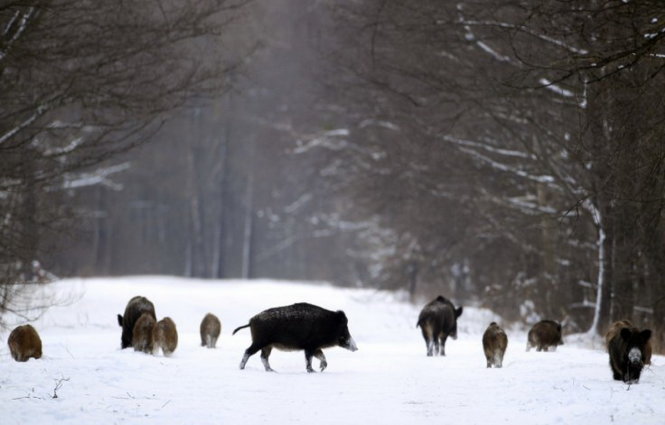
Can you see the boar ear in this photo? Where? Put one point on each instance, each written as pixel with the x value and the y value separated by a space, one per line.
pixel 645 335
pixel 458 311
pixel 119 319
pixel 626 333
pixel 341 317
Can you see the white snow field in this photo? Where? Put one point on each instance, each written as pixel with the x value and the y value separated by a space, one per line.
pixel 389 380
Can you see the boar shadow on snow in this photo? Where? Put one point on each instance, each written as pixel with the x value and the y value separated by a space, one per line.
pixel 135 308
pixel 299 326
pixel 629 349
pixel 438 321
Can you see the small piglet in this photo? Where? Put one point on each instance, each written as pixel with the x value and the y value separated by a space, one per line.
pixel 142 339
pixel 543 335
pixel 495 342
pixel 211 327
pixel 165 336
pixel 24 342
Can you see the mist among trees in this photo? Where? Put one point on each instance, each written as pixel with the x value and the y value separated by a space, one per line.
pixel 508 153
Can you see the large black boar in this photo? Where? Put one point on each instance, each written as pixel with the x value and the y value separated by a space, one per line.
pixel 164 336
pixel 615 328
pixel 543 335
pixel 135 308
pixel 495 342
pixel 24 342
pixel 210 329
pixel 438 321
pixel 627 347
pixel 142 339
pixel 299 326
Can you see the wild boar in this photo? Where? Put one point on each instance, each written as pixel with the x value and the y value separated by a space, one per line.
pixel 299 326
pixel 495 342
pixel 615 328
pixel 135 308
pixel 543 335
pixel 142 339
pixel 24 342
pixel 211 327
pixel 438 321
pixel 627 347
pixel 164 336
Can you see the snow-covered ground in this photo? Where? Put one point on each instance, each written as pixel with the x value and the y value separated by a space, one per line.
pixel 389 380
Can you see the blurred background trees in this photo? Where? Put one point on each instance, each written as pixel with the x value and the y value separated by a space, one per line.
pixel 505 153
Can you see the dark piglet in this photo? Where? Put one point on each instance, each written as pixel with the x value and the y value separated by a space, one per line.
pixel 210 329
pixel 142 339
pixel 135 308
pixel 629 350
pixel 495 342
pixel 438 321
pixel 544 335
pixel 299 326
pixel 164 336
pixel 24 342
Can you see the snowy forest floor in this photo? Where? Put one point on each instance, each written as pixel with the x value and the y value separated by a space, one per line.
pixel 389 380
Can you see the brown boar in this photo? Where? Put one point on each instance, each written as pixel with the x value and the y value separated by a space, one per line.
pixel 495 342
pixel 211 327
pixel 24 342
pixel 543 335
pixel 626 346
pixel 165 336
pixel 135 308
pixel 142 339
pixel 615 328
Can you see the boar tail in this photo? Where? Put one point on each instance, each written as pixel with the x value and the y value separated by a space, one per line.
pixel 242 327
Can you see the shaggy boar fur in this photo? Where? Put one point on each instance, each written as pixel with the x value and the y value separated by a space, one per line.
pixel 299 326
pixel 24 342
pixel 543 335
pixel 615 328
pixel 495 342
pixel 135 308
pixel 211 327
pixel 627 347
pixel 165 336
pixel 438 321
pixel 142 333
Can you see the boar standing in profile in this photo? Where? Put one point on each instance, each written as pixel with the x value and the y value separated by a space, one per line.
pixel 135 308
pixel 299 326
pixel 543 335
pixel 629 350
pixel 211 327
pixel 165 336
pixel 438 321
pixel 142 339
pixel 24 342
pixel 495 342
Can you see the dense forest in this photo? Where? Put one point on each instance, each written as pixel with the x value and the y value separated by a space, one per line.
pixel 505 153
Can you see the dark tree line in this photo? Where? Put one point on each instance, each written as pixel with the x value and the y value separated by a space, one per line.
pixel 502 152
pixel 81 82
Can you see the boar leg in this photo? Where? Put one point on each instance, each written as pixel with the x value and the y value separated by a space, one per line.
pixel 319 355
pixel 442 344
pixel 308 359
pixel 249 352
pixel 265 353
